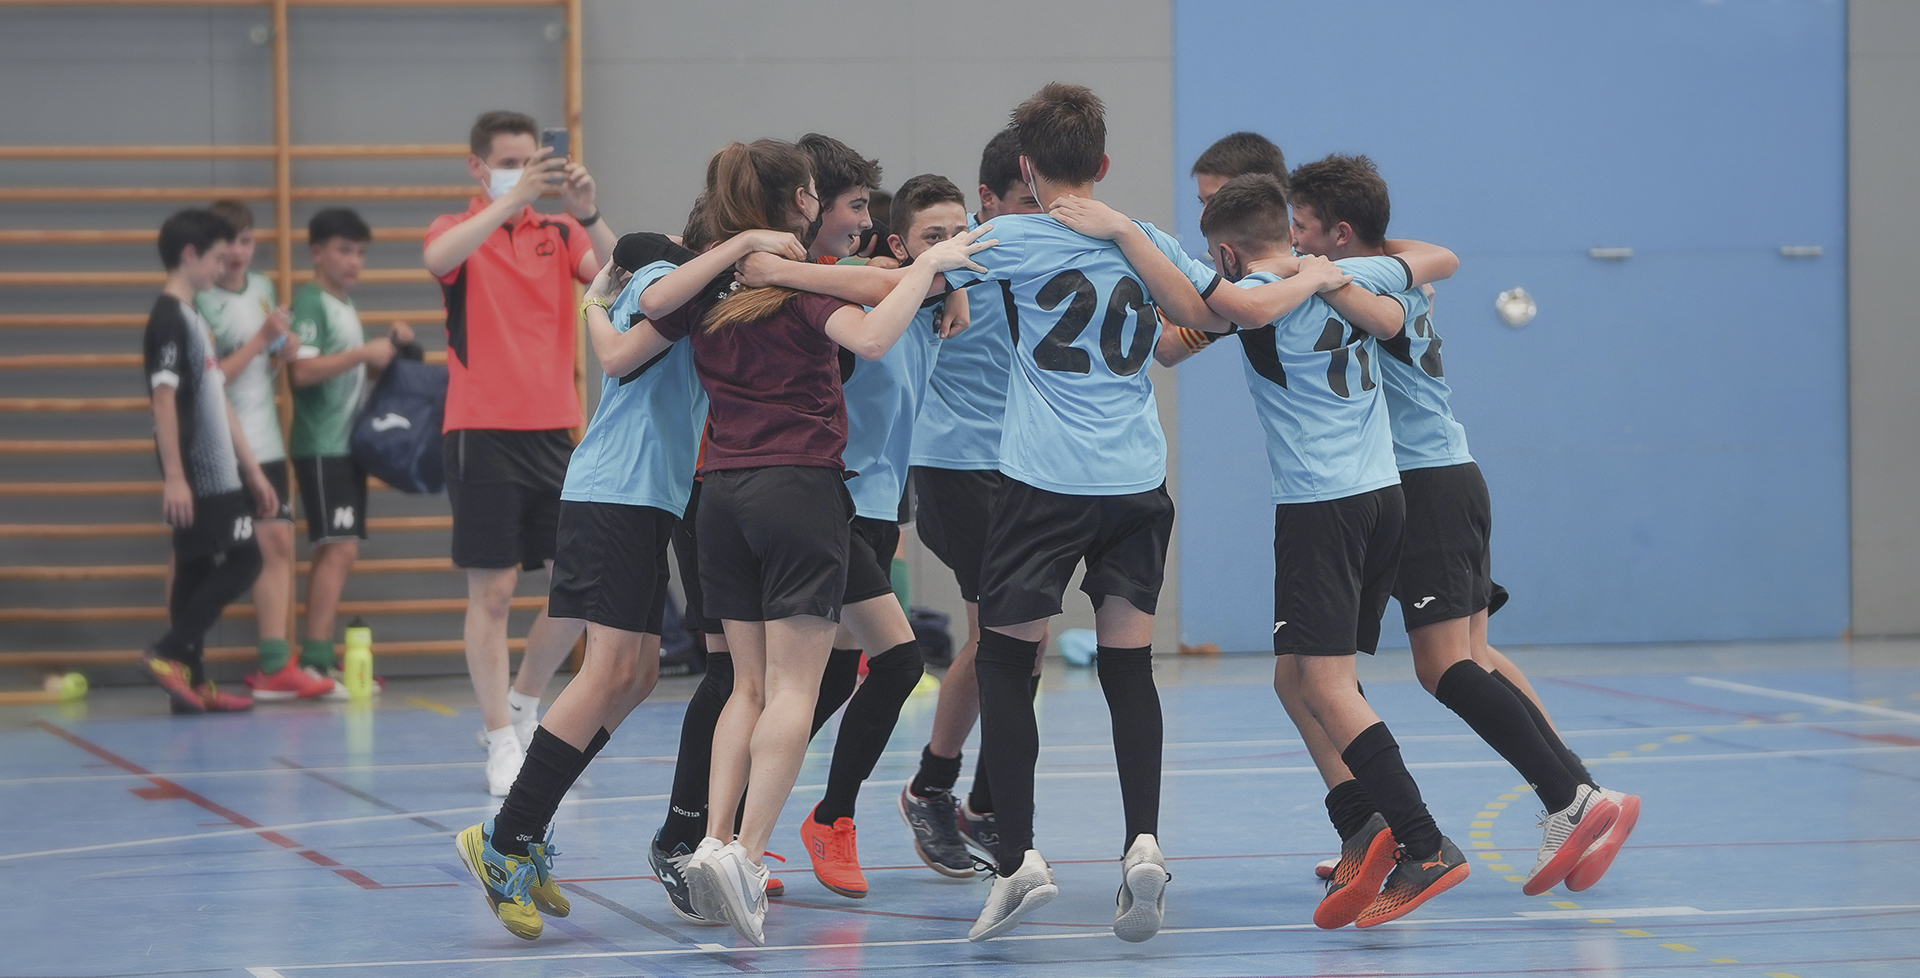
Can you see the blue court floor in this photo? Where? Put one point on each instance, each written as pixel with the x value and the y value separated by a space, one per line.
pixel 1780 836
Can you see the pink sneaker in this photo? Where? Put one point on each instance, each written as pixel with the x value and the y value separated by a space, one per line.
pixel 289 683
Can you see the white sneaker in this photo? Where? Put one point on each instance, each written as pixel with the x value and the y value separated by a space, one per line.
pixel 726 885
pixel 524 713
pixel 703 893
pixel 1142 903
pixel 338 693
pixel 1566 836
pixel 1323 870
pixel 504 757
pixel 1028 889
pixel 1594 862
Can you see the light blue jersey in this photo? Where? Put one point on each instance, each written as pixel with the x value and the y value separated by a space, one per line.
pixel 1080 415
pixel 1316 390
pixel 1425 435
pixel 640 446
pixel 883 398
pixel 960 420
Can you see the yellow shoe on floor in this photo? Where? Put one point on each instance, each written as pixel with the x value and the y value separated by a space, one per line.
pixel 504 880
pixel 545 891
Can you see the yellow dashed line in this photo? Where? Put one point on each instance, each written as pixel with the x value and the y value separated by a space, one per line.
pixel 1621 753
pixel 427 704
pixel 1486 815
pixel 1679 738
pixel 1749 723
pixel 1634 932
pixel 1483 845
pixel 1506 798
pixel 1649 747
pixel 1489 855
pixel 1482 824
pixel 1724 960
pixel 1500 867
pixel 1496 804
pixel 1882 701
pixel 1516 879
pixel 1601 920
pixel 1679 947
pixel 1563 905
pixel 1479 834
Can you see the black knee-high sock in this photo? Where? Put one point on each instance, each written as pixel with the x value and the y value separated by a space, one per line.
pixel 1552 736
pixel 980 796
pixel 1009 737
pixel 202 589
pixel 550 769
pixel 600 738
pixel 1374 759
pixel 1496 714
pixel 1348 808
pixel 1133 703
pixel 687 805
pixel 936 773
pixel 871 715
pixel 836 685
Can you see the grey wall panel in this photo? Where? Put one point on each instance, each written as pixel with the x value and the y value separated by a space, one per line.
pixel 1884 243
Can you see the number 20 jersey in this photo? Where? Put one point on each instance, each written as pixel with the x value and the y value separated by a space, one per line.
pixel 1315 381
pixel 1081 417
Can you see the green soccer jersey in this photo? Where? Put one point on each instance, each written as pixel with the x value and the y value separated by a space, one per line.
pixel 234 317
pixel 323 413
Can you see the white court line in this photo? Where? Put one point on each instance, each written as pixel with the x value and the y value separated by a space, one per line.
pixel 1781 694
pixel 1708 728
pixel 1040 776
pixel 1628 913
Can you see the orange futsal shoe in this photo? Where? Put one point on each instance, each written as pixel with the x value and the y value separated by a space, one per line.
pixel 1365 860
pixel 835 855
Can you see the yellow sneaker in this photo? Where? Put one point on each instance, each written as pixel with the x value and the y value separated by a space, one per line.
pixel 545 891
pixel 504 880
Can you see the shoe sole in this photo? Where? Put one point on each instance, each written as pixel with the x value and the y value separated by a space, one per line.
pixel 1591 867
pixel 1452 878
pixel 686 915
pixel 843 891
pixel 947 871
pixel 1599 819
pixel 467 858
pixel 1146 882
pixel 1034 899
pixel 1345 905
pixel 718 905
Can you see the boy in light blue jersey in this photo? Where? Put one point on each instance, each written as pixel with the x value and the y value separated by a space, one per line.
pixel 626 484
pixel 1444 584
pixel 956 470
pixel 1337 520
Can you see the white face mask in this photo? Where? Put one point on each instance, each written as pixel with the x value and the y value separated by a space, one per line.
pixel 501 182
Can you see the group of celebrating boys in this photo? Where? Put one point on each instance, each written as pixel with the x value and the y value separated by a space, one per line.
pixel 787 381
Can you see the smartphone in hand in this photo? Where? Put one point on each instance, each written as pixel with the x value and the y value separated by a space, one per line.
pixel 560 140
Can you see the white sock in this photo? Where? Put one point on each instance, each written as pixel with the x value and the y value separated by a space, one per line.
pixel 497 737
pixel 520 706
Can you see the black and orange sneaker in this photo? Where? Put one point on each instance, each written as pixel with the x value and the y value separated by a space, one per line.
pixel 1414 882
pixel 1366 858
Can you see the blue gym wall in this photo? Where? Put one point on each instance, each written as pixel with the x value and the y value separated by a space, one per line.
pixel 1666 444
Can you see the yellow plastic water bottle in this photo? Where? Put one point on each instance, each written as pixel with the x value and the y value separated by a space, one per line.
pixel 358 667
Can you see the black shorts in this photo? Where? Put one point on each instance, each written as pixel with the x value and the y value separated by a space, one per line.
pixel 870 547
pixel 1446 557
pixel 1334 564
pixel 1035 537
pixel 950 508
pixel 610 565
pixel 773 542
pixel 220 523
pixel 504 487
pixel 276 473
pixel 686 553
pixel 333 497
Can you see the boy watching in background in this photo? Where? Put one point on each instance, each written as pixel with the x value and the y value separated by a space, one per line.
pixel 329 384
pixel 207 470
pixel 250 336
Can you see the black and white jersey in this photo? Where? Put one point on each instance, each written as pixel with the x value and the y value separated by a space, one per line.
pixel 180 354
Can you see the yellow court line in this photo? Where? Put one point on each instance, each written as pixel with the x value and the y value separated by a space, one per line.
pixel 427 704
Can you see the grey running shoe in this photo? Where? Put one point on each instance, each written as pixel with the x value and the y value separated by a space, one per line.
pixel 1142 903
pixel 934 820
pixel 1013 897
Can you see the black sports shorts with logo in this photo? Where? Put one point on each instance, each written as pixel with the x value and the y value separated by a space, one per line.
pixel 773 542
pixel 1334 564
pixel 1445 553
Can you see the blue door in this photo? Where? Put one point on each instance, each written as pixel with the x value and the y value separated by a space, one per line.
pixel 1666 443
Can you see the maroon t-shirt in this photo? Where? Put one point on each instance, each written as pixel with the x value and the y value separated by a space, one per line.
pixel 773 386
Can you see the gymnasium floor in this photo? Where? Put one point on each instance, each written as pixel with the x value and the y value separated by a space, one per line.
pixel 1779 837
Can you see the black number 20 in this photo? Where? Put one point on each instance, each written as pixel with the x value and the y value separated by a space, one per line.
pixel 1056 351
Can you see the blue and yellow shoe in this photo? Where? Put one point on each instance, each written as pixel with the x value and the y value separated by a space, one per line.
pixel 504 880
pixel 545 892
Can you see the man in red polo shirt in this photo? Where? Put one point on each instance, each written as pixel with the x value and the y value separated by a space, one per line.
pixel 507 272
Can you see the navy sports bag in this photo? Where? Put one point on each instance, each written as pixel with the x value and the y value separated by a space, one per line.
pixel 397 436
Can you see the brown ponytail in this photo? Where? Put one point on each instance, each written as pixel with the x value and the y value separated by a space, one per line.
pixel 750 187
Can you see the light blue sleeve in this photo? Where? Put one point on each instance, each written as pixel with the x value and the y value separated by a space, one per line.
pixel 1198 272
pixel 628 303
pixel 1381 274
pixel 1000 261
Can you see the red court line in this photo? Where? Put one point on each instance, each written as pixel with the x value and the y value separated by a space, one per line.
pixel 162 788
pixel 1901 740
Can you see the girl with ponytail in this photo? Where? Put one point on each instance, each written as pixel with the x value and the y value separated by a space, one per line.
pixel 772 521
